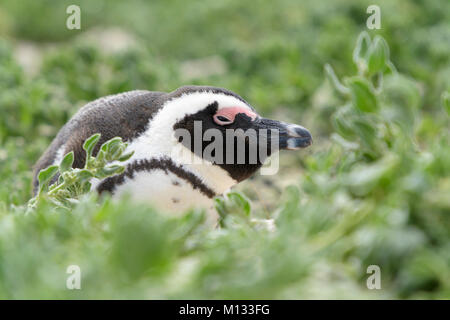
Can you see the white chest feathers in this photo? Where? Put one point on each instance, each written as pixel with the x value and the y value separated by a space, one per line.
pixel 172 188
pixel 165 190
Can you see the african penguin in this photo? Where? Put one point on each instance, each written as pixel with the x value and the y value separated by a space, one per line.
pixel 150 122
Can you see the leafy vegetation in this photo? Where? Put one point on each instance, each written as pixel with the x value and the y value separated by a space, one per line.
pixel 372 190
pixel 63 185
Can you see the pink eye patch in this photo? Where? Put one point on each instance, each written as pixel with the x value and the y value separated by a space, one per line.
pixel 227 115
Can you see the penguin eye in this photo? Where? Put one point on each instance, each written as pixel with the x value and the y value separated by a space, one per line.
pixel 222 120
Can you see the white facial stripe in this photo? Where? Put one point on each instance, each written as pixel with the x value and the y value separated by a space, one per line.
pixel 193 102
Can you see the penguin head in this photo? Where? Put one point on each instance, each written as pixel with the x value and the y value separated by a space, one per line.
pixel 221 128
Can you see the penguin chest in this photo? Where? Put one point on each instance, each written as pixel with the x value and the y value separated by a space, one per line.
pixel 164 190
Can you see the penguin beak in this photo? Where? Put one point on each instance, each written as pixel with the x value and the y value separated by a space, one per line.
pixel 291 136
pixel 296 137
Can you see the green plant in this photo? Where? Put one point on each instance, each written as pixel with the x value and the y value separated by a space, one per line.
pixel 233 205
pixel 382 104
pixel 71 183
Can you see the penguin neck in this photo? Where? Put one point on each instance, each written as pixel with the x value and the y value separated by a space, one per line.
pixel 213 176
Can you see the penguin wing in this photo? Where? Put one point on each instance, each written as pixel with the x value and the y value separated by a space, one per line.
pixel 124 115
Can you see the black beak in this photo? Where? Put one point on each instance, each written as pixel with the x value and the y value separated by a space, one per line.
pixel 296 137
pixel 290 136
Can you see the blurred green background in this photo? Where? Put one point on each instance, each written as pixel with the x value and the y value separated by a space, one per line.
pixel 374 189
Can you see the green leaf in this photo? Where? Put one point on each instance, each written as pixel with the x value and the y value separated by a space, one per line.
pixel 220 206
pixel 365 177
pixel 378 55
pixel 101 155
pixel 363 96
pixel 334 81
pixel 104 147
pixel 126 156
pixel 241 201
pixel 84 175
pixel 109 171
pixel 367 132
pixel 90 143
pixel 67 162
pixel 359 53
pixel 390 68
pixel 342 121
pixel 86 187
pixel 47 174
pixel 117 153
pixel 112 145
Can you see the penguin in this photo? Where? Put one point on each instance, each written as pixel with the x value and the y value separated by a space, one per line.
pixel 154 124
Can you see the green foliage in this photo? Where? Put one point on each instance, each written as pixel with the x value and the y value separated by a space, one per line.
pixel 63 185
pixel 373 189
pixel 233 206
pixel 382 105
